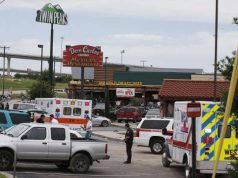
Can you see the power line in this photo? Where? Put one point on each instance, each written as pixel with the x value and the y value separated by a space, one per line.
pixel 2 1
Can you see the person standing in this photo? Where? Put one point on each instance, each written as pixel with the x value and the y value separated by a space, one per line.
pixel 41 119
pixel 53 120
pixel 129 142
pixel 88 128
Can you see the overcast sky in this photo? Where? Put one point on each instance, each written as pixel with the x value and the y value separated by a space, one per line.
pixel 165 33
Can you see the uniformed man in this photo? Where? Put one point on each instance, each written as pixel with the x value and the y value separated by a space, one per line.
pixel 129 142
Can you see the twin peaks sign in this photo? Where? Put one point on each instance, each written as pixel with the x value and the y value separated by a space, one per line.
pixel 53 14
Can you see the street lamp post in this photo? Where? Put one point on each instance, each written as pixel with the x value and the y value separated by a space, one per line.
pixel 41 66
pixel 122 52
pixel 62 38
pixel 3 73
pixel 106 88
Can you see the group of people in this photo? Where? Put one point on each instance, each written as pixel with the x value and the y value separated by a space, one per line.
pixel 42 119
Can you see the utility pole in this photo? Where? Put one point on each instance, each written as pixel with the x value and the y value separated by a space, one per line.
pixel 215 56
pixel 143 62
pixel 3 69
pixel 122 52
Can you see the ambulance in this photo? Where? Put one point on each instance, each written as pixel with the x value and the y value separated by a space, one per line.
pixel 177 149
pixel 71 112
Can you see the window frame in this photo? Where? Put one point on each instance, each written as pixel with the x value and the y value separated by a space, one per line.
pixel 36 128
pixel 51 131
pixel 66 113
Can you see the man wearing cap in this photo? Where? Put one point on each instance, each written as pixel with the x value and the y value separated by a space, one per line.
pixel 53 120
pixel 88 128
pixel 129 142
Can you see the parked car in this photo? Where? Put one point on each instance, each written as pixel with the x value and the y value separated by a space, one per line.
pixel 100 121
pixel 21 106
pixel 52 143
pixel 153 113
pixel 149 133
pixel 35 113
pixel 10 118
pixel 130 113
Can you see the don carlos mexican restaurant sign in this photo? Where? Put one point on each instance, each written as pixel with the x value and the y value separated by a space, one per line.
pixel 53 14
pixel 83 56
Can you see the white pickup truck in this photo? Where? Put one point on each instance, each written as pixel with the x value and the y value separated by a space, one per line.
pixel 49 142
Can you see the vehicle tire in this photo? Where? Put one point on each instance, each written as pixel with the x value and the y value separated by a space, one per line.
pixel 165 160
pixel 187 170
pixel 80 163
pixel 6 160
pixel 119 121
pixel 134 121
pixel 62 164
pixel 105 124
pixel 156 146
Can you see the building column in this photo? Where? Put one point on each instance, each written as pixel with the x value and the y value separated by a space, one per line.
pixel 8 66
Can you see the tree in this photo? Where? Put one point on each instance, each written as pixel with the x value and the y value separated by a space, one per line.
pixel 225 66
pixel 41 86
pixel 36 88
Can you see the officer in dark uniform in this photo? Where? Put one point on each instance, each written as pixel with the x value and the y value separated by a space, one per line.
pixel 129 142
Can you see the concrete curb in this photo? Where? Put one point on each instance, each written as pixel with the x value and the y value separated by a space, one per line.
pixel 108 138
pixel 6 174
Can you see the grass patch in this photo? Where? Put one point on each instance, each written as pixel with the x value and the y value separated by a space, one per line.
pixel 24 84
pixel 2 176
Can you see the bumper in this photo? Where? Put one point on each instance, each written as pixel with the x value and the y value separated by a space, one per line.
pixel 206 167
pixel 106 157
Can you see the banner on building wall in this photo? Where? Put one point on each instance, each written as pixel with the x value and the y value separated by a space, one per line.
pixel 125 92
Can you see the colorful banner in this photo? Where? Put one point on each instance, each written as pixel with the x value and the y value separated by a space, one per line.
pixel 125 92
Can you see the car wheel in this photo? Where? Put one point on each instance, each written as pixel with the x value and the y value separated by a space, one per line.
pixel 105 123
pixel 80 163
pixel 187 170
pixel 134 121
pixel 156 146
pixel 165 160
pixel 6 160
pixel 119 121
pixel 62 164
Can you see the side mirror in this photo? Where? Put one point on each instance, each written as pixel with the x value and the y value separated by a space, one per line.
pixel 24 137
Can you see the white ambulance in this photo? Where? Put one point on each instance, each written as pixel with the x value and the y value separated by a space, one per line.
pixel 208 130
pixel 71 112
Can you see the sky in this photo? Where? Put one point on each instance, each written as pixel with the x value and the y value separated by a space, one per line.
pixel 164 33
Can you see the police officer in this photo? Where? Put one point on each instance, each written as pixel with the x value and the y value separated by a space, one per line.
pixel 129 142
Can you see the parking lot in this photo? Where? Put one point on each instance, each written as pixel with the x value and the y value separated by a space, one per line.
pixel 144 164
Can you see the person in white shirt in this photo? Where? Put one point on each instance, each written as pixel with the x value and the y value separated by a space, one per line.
pixel 88 128
pixel 53 120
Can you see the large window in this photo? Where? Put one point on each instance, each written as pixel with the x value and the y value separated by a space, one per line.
pixel 154 124
pixel 67 111
pixel 57 133
pixel 20 118
pixel 3 119
pixel 228 131
pixel 77 111
pixel 36 133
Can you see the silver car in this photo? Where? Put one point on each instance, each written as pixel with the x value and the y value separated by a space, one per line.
pixel 100 121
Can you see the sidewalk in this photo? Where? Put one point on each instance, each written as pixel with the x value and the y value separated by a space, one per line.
pixel 132 125
pixel 6 174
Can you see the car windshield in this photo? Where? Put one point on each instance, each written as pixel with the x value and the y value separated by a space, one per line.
pixel 17 130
